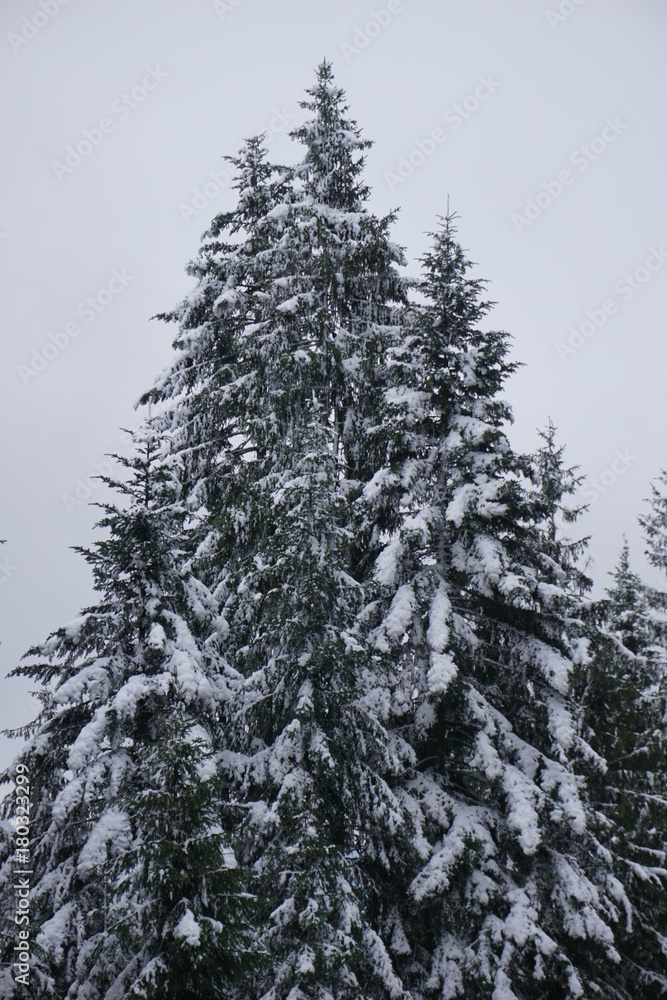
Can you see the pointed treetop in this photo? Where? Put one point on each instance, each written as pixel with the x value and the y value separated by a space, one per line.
pixel 446 266
pixel 623 567
pixel 655 523
pixel 556 480
pixel 332 167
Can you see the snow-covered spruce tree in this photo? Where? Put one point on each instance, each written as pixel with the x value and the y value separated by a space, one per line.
pixel 624 703
pixel 514 895
pixel 194 399
pixel 655 524
pixel 134 887
pixel 314 762
pixel 300 304
pixel 620 709
pixel 655 527
pixel 298 241
pixel 561 555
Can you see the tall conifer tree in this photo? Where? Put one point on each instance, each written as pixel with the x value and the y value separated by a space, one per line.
pixel 339 625
pixel 133 882
pixel 513 895
pixel 624 701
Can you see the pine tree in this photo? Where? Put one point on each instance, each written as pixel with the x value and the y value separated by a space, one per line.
pixel 513 893
pixel 557 484
pixel 303 299
pixel 315 764
pixel 655 524
pixel 320 738
pixel 624 712
pixel 129 896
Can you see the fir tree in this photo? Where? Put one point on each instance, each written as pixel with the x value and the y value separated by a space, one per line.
pixel 624 710
pixel 315 764
pixel 655 524
pixel 128 898
pixel 325 712
pixel 513 894
pixel 304 304
pixel 557 484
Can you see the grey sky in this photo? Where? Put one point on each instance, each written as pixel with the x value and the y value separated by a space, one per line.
pixel 483 100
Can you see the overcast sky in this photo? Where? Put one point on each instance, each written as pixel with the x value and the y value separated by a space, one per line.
pixel 543 120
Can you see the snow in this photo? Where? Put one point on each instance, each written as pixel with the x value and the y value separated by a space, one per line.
pixel 386 564
pixel 561 725
pixel 305 696
pixel 54 932
pixel 414 401
pixel 460 503
pixel 487 558
pixel 555 668
pixel 441 674
pixel 91 683
pixel 111 835
pixel 437 635
pixel 156 637
pixel 522 796
pixel 480 496
pixel 383 477
pixel 136 689
pixel 446 976
pixel 470 825
pixel 486 757
pixel 188 930
pixel 279 213
pixel 556 777
pixel 382 965
pixel 73 629
pixel 289 305
pixel 398 619
pixel 503 989
pixel 87 742
pixel 400 612
pixel 580 902
pixel 228 299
